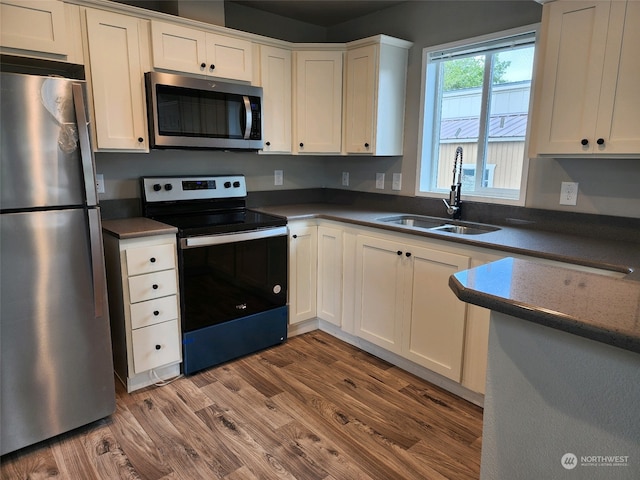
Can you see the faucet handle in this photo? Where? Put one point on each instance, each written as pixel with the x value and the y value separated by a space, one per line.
pixel 450 209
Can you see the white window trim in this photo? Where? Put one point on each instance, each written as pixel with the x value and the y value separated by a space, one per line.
pixel 525 163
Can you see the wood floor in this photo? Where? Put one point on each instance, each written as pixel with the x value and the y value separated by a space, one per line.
pixel 312 408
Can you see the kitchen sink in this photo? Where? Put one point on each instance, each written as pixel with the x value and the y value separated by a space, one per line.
pixel 439 224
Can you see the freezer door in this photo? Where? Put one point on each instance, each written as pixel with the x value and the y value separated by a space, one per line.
pixel 56 365
pixel 40 155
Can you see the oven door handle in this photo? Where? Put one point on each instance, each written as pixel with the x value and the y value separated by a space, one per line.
pixel 193 242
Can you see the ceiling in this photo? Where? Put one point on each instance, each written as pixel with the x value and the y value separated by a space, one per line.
pixel 325 13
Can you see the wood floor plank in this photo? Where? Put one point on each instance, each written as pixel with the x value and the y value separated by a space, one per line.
pixel 311 408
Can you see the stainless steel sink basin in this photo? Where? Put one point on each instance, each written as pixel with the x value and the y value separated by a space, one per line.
pixel 439 224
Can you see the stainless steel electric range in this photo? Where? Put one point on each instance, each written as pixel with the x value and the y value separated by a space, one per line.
pixel 232 266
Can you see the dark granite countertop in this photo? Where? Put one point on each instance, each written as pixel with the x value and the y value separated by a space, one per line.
pixel 586 304
pixel 605 254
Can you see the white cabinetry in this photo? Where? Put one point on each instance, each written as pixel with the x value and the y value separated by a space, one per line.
pixel 189 50
pixel 375 89
pixel 587 94
pixel 144 307
pixel 318 102
pixel 303 272
pixel 275 80
pixel 117 65
pixel 34 25
pixel 404 304
pixel 330 266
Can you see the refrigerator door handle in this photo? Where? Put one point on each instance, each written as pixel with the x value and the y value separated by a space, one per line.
pixel 99 282
pixel 86 154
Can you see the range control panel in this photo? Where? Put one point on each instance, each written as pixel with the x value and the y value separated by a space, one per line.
pixel 170 189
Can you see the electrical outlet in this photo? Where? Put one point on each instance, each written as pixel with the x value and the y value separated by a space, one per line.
pixel 568 193
pixel 278 177
pixel 99 183
pixel 397 182
pixel 380 181
pixel 345 179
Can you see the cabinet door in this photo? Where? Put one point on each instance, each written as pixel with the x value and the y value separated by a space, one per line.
pixel 318 102
pixel 360 99
pixel 36 25
pixel 380 281
pixel 229 57
pixel 275 71
pixel 179 48
pixel 117 81
pixel 433 333
pixel 303 272
pixel 619 113
pixel 571 76
pixel 330 274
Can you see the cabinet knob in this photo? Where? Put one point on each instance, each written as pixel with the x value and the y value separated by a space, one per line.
pixel 156 313
pixel 295 236
pixel 301 144
pixel 158 347
pixel 140 139
pixel 584 142
pixel 366 145
pixel 154 286
pixel 203 65
pixel 268 144
pixel 408 254
pixel 399 252
pixel 212 67
pixel 152 259
pixel 600 141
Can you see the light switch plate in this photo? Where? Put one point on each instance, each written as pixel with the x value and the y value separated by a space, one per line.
pixel 397 182
pixel 345 179
pixel 569 193
pixel 278 177
pixel 99 183
pixel 380 181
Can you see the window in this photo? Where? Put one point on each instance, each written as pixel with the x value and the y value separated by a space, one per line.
pixel 476 96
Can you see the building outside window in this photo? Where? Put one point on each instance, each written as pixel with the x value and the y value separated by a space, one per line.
pixel 477 96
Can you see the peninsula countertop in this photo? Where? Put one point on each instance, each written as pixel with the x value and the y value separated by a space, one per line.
pixel 604 254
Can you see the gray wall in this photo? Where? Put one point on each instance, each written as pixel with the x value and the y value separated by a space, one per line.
pixel 606 186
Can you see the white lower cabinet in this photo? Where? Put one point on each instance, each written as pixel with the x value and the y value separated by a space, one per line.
pixel 303 272
pixel 404 304
pixel 330 266
pixel 144 303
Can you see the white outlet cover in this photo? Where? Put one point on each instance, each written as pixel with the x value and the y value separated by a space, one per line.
pixel 99 183
pixel 345 179
pixel 380 181
pixel 397 182
pixel 278 177
pixel 569 193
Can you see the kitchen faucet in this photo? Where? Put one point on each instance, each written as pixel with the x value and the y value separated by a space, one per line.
pixel 454 205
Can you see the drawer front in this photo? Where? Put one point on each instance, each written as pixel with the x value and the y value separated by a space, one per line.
pixel 150 259
pixel 154 311
pixel 156 346
pixel 152 285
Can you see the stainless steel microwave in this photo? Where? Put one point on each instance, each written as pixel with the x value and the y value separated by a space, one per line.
pixel 188 112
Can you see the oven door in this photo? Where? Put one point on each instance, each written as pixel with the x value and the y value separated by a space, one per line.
pixel 228 276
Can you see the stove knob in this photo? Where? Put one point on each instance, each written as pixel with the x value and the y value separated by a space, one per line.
pixel 227 184
pixel 236 184
pixel 168 187
pixel 157 187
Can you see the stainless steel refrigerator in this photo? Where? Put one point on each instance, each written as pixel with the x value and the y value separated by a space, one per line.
pixel 56 369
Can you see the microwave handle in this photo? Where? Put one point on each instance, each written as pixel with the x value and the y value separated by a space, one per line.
pixel 248 117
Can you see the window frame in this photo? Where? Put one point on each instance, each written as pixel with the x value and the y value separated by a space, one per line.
pixel 426 123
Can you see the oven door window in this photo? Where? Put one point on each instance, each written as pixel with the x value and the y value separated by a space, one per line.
pixel 186 112
pixel 232 280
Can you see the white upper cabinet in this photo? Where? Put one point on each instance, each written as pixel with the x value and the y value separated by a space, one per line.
pixel 34 25
pixel 587 93
pixel 189 50
pixel 275 80
pixel 318 102
pixel 375 90
pixel 117 80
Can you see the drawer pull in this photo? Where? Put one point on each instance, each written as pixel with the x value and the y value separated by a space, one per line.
pixel 156 313
pixel 152 259
pixel 158 347
pixel 154 286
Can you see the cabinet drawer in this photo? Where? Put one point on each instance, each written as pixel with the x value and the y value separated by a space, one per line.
pixel 152 285
pixel 155 346
pixel 150 259
pixel 154 311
